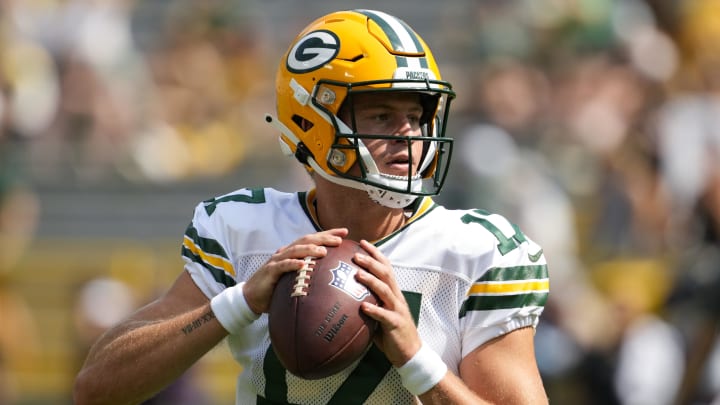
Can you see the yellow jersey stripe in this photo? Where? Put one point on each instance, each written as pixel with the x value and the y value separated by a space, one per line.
pixel 212 260
pixel 505 288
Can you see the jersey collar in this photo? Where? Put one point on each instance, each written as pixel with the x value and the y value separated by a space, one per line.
pixel 416 210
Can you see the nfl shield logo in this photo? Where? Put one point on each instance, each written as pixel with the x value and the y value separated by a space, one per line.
pixel 344 279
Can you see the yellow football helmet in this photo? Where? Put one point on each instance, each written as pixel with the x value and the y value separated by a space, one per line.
pixel 348 52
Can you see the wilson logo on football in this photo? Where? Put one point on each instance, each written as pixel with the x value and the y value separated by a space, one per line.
pixel 344 279
pixel 313 51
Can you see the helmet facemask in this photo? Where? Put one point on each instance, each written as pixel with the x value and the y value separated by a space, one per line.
pixel 349 158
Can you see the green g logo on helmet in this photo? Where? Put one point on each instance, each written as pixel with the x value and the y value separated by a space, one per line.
pixel 313 51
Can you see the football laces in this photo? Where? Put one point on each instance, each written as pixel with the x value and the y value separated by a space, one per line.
pixel 303 277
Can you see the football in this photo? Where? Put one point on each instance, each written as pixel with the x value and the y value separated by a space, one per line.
pixel 316 326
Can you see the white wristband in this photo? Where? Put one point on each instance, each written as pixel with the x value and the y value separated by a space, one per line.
pixel 231 309
pixel 423 371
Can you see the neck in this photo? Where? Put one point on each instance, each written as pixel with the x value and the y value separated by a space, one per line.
pixel 353 209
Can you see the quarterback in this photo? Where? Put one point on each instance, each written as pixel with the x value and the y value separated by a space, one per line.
pixel 362 106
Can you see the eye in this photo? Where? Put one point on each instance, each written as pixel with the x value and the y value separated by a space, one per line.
pixel 380 117
pixel 414 119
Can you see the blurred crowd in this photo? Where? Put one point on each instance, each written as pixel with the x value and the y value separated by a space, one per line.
pixel 593 124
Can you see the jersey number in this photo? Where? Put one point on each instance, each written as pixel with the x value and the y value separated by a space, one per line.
pixel 355 389
pixel 505 244
pixel 257 196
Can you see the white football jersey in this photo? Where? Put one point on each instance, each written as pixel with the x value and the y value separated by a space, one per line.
pixel 468 276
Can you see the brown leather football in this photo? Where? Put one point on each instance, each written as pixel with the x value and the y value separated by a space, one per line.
pixel 316 325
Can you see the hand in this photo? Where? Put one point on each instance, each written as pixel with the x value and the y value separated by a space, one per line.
pixel 398 337
pixel 259 287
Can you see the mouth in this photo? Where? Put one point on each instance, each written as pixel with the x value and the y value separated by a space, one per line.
pixel 398 166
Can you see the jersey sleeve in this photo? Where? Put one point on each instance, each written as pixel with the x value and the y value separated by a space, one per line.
pixel 510 288
pixel 205 253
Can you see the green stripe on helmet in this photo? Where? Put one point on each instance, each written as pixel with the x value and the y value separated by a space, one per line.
pixel 392 35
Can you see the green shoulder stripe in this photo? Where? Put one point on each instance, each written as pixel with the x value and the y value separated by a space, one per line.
pixel 487 302
pixel 219 275
pixel 210 254
pixel 515 273
pixel 508 287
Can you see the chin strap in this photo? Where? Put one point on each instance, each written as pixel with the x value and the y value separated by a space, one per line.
pixel 392 199
pixel 389 199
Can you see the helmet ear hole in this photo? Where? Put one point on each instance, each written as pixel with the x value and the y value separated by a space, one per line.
pixel 302 123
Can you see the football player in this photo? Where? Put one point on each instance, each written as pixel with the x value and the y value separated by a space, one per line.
pixel 362 106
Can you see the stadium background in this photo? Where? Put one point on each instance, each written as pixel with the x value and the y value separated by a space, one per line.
pixel 593 124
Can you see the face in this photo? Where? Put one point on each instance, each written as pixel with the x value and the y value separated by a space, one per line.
pixel 395 114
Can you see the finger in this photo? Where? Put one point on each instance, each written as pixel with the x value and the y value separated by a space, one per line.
pixel 373 283
pixel 374 252
pixel 389 318
pixel 331 237
pixel 382 290
pixel 377 264
pixel 376 312
pixel 341 232
pixel 285 266
pixel 300 251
